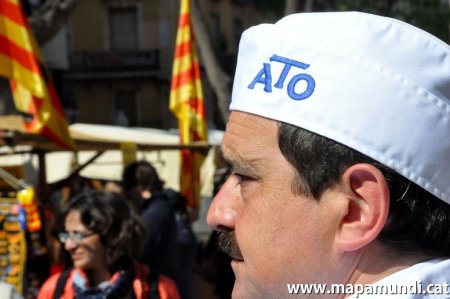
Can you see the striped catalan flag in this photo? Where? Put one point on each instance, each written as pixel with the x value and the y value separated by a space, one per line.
pixel 32 89
pixel 186 102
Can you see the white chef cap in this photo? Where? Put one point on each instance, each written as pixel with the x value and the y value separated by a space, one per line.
pixel 375 84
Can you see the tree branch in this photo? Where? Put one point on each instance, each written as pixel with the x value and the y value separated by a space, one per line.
pixel 50 17
pixel 290 7
pixel 219 80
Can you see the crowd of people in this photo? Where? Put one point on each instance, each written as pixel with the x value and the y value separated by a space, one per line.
pixel 123 242
pixel 126 239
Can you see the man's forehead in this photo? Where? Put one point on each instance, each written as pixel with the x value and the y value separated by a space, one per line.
pixel 249 137
pixel 245 129
pixel 240 121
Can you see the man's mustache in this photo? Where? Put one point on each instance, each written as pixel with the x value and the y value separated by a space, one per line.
pixel 228 244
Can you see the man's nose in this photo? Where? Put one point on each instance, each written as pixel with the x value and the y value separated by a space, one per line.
pixel 222 212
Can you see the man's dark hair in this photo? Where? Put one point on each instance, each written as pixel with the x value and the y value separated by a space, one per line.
pixel 137 177
pixel 110 216
pixel 418 222
pixel 141 173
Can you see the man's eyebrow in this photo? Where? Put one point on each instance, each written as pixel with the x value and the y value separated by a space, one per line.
pixel 236 164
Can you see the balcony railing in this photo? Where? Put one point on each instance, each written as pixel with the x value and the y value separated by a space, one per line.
pixel 116 60
pixel 244 2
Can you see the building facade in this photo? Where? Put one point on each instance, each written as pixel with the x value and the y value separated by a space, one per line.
pixel 113 60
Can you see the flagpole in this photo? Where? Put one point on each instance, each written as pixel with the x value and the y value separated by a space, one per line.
pixel 187 103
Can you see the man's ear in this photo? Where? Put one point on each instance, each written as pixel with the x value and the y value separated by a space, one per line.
pixel 365 206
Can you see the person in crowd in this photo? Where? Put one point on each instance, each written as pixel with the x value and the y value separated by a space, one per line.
pixel 339 150
pixel 102 236
pixel 186 242
pixel 144 190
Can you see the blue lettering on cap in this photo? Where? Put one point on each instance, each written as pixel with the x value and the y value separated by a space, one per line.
pixel 264 76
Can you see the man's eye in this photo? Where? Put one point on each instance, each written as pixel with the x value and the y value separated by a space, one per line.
pixel 241 177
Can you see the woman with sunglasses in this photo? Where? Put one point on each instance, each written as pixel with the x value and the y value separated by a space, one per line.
pixel 103 237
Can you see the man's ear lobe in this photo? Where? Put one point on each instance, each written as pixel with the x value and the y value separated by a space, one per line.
pixel 366 207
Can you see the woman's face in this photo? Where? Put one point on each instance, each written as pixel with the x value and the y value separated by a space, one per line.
pixel 84 246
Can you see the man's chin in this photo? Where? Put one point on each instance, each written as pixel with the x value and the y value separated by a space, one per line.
pixel 241 288
pixel 239 291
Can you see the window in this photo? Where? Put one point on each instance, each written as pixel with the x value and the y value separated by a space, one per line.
pixel 125 108
pixel 123 28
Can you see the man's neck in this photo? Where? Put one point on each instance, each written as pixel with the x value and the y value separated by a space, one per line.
pixel 377 262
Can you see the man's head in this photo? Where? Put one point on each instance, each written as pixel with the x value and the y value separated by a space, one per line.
pixel 338 150
pixel 139 181
pixel 143 174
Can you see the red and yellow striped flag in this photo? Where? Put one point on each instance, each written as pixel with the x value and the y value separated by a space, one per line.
pixel 186 102
pixel 32 89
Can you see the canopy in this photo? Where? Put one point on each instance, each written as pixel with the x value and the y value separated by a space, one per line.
pixel 154 145
pixel 97 137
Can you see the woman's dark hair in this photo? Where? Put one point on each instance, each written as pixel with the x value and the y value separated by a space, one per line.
pixel 418 222
pixel 108 215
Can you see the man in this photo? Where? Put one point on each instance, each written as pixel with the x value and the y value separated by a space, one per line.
pixel 144 190
pixel 339 149
pixel 170 246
